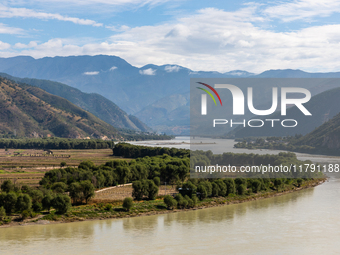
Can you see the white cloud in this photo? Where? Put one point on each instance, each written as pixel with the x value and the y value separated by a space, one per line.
pixel 31 44
pixel 106 2
pixel 4 46
pixel 211 40
pixel 7 12
pixel 171 69
pixel 113 68
pixel 4 29
pixel 118 29
pixel 148 71
pixel 91 73
pixel 303 9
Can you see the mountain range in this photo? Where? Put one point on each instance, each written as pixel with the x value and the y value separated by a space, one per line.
pixel 157 95
pixel 28 111
pixel 94 103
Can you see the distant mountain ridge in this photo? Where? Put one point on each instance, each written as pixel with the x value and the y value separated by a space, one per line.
pixel 28 111
pixel 144 92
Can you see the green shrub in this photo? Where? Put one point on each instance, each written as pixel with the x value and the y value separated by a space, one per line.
pixel 108 207
pixel 191 203
pixel 170 202
pixel 47 202
pixel 7 186
pixel 215 190
pixel 59 187
pixel 139 190
pixel 157 181
pixel 241 189
pixel 152 190
pixel 10 202
pixel 256 186
pixel 37 206
pixel 25 214
pixel 87 189
pixel 299 181
pixel 2 213
pixel 202 191
pixel 127 203
pixel 24 202
pixel 61 203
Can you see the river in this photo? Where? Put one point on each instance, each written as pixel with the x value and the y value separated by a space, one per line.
pixel 303 222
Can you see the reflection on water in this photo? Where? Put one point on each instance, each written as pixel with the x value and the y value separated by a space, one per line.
pixel 305 222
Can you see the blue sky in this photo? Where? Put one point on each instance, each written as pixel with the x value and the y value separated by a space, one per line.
pixel 201 35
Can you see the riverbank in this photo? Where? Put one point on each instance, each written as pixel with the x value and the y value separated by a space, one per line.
pixel 114 210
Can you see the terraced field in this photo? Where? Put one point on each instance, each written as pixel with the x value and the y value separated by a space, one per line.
pixel 29 166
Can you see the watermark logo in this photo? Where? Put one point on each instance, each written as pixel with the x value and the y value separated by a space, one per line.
pixel 238 99
pixel 204 97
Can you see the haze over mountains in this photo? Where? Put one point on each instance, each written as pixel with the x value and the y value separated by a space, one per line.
pixel 157 95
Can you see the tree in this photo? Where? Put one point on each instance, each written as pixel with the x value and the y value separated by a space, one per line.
pixel 25 214
pixel 157 181
pixel 241 189
pixel 215 189
pixel 36 196
pixel 152 190
pixel 189 189
pixel 76 192
pixel 299 181
pixel 61 203
pixel 7 186
pixel 256 186
pixel 127 203
pixel 123 174
pixel 24 202
pixel 47 202
pixel 170 202
pixel 230 186
pixel 202 191
pixel 278 183
pixel 87 189
pixel 2 198
pixel 2 213
pixel 59 187
pixel 139 190
pixel 9 203
pixel 37 206
pixel 26 189
pixel 62 164
pixel 181 201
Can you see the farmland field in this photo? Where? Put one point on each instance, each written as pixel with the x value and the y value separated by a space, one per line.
pixel 29 166
pixel 119 193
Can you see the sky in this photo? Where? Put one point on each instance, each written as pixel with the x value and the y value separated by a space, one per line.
pixel 201 35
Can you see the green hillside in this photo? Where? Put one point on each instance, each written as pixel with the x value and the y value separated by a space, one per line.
pixel 28 111
pixel 326 136
pixel 94 103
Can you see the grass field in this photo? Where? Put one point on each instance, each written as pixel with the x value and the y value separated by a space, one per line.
pixel 26 169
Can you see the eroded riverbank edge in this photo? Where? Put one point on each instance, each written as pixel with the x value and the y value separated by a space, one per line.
pixel 208 203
